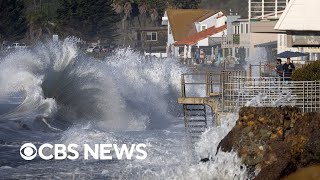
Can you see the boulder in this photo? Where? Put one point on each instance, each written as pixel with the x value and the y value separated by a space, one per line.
pixel 275 141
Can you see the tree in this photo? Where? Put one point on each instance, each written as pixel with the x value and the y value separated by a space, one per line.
pixel 88 19
pixel 186 4
pixel 13 25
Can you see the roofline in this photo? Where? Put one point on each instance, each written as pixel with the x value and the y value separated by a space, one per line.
pixel 211 16
pixel 284 14
pixel 224 27
pixel 186 10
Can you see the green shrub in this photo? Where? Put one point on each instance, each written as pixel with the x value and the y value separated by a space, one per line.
pixel 310 72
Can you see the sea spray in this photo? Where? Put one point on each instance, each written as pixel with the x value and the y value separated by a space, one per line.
pixel 87 99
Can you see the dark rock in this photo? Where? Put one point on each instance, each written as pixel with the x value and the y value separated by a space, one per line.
pixel 277 140
pixel 205 160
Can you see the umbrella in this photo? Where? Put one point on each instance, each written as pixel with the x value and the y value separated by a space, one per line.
pixel 288 54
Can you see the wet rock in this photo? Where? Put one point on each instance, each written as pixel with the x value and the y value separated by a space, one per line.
pixel 204 160
pixel 275 140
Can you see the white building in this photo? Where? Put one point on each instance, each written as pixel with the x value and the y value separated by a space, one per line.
pixel 192 28
pixel 300 24
pixel 256 31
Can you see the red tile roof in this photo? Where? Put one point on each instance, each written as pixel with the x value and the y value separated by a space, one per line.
pixel 193 39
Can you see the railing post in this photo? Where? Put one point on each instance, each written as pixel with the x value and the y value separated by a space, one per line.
pixel 183 86
pixel 303 97
pixel 250 71
pixel 222 88
pixel 207 84
pixel 260 68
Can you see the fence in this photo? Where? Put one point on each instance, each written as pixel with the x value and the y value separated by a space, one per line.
pixel 270 91
pixel 235 89
pixel 267 70
pixel 206 84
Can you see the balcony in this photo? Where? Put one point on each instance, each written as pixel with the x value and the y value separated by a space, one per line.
pixel 230 41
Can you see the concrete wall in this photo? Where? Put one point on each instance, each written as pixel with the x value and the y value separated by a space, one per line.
pixel 284 44
pixel 259 38
pixel 205 42
pixel 158 55
pixel 211 21
pixel 174 50
pixel 221 21
pixel 230 28
pixel 263 27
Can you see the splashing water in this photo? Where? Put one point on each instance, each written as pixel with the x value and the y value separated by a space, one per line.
pixel 260 56
pixel 55 94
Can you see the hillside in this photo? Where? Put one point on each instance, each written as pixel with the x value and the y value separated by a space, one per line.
pixel 239 6
pixel 33 20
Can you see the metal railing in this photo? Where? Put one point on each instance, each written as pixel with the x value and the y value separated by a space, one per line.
pixel 211 82
pixel 228 41
pixel 190 84
pixel 271 92
pixel 263 69
pixel 235 89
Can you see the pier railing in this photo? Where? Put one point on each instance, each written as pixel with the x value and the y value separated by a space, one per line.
pixel 270 92
pixel 263 69
pixel 206 84
pixel 235 89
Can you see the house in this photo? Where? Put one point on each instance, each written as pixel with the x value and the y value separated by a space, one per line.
pixel 151 41
pixel 300 26
pixel 189 29
pixel 235 44
pixel 248 36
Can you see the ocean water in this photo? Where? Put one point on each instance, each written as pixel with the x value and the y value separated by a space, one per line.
pixel 55 94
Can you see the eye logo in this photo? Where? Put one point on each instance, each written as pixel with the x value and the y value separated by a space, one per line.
pixel 28 151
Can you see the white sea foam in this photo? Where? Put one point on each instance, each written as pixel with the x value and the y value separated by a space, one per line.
pixel 87 98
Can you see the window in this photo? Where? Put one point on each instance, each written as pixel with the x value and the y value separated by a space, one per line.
pixel 203 27
pixel 152 36
pixel 317 56
pixel 247 28
pixel 139 36
pixel 241 28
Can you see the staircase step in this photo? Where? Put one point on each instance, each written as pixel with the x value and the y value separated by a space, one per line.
pixel 195 109
pixel 196 115
pixel 195 137
pixel 196 120
pixel 200 132
pixel 197 126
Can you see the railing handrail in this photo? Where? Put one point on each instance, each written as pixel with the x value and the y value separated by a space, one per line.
pixel 231 84
pixel 211 79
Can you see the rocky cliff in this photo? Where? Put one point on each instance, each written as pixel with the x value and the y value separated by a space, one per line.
pixel 275 141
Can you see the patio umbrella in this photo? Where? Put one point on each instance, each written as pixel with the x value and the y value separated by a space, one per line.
pixel 288 54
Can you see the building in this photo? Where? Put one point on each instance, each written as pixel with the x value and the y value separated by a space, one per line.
pixel 235 44
pixel 247 36
pixel 300 28
pixel 151 41
pixel 189 29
